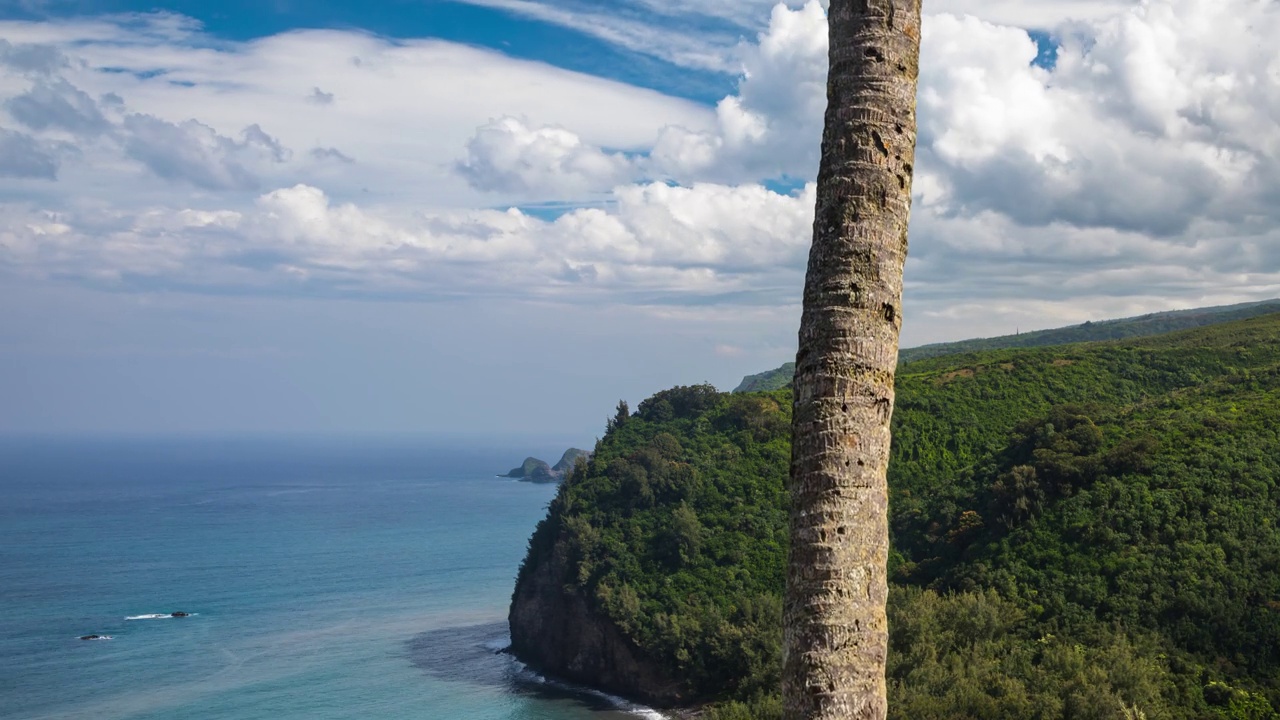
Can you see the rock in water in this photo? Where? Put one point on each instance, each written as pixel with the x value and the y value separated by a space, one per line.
pixel 532 469
pixel 535 470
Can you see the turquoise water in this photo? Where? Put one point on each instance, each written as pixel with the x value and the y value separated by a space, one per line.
pixel 326 580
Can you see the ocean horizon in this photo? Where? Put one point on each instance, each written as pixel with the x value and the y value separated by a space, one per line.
pixel 324 578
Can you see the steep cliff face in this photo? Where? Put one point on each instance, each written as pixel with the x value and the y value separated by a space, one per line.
pixel 555 631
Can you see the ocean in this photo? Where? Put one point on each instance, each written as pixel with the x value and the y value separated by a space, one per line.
pixel 324 579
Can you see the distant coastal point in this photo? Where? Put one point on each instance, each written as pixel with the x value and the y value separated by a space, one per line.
pixel 539 471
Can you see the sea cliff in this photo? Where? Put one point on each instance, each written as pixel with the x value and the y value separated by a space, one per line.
pixel 1075 530
pixel 555 630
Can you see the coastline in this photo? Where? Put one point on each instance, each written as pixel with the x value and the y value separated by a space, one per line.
pixel 623 704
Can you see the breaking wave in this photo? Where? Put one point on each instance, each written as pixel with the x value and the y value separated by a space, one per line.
pixel 156 616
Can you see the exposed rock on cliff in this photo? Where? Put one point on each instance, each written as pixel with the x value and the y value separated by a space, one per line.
pixel 554 630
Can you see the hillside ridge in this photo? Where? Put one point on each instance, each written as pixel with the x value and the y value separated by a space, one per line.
pixel 1075 529
pixel 1151 324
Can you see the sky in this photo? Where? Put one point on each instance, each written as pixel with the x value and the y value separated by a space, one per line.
pixel 498 217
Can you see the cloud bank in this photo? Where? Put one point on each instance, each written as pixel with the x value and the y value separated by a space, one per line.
pixel 1142 171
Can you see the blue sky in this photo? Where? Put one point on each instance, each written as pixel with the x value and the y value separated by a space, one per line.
pixel 490 27
pixel 499 216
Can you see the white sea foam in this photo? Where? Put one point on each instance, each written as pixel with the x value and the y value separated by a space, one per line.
pixel 622 704
pixel 100 637
pixel 497 644
pixel 156 616
pixel 630 707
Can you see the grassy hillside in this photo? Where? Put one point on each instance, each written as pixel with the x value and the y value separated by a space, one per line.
pixel 1077 531
pixel 1134 327
pixel 774 379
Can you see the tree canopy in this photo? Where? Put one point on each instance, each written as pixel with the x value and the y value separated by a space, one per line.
pixel 1088 531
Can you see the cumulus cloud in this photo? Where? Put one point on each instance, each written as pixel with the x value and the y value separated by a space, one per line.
pixel 58 105
pixel 64 120
pixel 1141 167
pixel 769 128
pixel 257 138
pixel 771 125
pixel 1147 122
pixel 1041 14
pixel 704 240
pixel 408 107
pixel 1152 118
pixel 705 35
pixel 194 152
pixel 507 155
pixel 34 58
pixel 22 156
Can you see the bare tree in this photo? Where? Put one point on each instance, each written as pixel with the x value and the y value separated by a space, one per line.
pixel 836 633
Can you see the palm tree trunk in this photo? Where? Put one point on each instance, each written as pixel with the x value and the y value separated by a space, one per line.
pixel 836 633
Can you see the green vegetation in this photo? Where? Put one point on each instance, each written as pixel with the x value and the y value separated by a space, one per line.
pixel 1087 531
pixel 569 459
pixel 775 379
pixel 1134 327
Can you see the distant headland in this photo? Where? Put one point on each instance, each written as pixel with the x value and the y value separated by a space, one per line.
pixel 535 470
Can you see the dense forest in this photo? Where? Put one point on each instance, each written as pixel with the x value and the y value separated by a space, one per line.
pixel 1084 531
pixel 1133 327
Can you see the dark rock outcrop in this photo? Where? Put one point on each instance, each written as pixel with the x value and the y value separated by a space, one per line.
pixel 555 631
pixel 532 469
pixel 535 470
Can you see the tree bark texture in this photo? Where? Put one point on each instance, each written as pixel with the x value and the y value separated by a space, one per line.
pixel 836 634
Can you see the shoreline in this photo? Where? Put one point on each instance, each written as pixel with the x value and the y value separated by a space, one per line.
pixel 623 704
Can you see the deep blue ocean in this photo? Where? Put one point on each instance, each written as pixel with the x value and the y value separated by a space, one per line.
pixel 325 579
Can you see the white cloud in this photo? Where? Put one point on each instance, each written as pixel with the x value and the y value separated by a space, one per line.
pixel 687 242
pixel 57 105
pixel 194 152
pixel 1151 119
pixel 22 156
pixel 702 34
pixel 31 58
pixel 405 109
pixel 770 127
pixel 702 49
pixel 507 155
pixel 1042 14
pixel 1143 167
pixel 1032 14
pixel 1148 121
